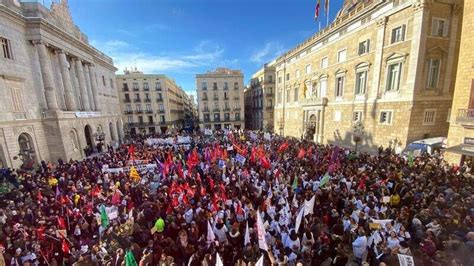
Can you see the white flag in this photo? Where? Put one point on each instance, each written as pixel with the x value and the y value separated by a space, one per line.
pixel 210 234
pixel 299 218
pixel 309 206
pixel 219 260
pixel 259 261
pixel 294 202
pixel 247 235
pixel 262 243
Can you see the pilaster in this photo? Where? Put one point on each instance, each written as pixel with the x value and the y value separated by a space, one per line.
pixel 47 74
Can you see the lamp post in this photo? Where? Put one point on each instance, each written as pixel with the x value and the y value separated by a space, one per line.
pixel 358 132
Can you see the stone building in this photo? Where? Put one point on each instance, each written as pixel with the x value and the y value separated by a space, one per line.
pixel 220 95
pixel 384 67
pixel 259 99
pixel 151 103
pixel 461 130
pixel 57 92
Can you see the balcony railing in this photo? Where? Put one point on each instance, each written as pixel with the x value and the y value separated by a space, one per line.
pixel 137 100
pixel 204 88
pixel 126 100
pixel 216 98
pixel 148 100
pixel 162 122
pixel 207 120
pixel 159 99
pixel 146 88
pixel 136 89
pixel 149 111
pixel 127 112
pixel 236 98
pixel 205 109
pixel 465 117
pixel 226 109
pixel 216 109
pixel 236 87
pixel 214 88
pixel 237 109
pixel 161 111
pixel 139 111
pixel 226 119
pixel 125 89
pixel 225 88
pixel 217 119
pixel 204 98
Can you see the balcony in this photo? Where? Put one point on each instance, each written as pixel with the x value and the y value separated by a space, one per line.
pixel 214 88
pixel 148 100
pixel 126 100
pixel 137 100
pixel 136 89
pixel 125 89
pixel 128 112
pixel 236 88
pixel 207 120
pixel 226 119
pixel 204 98
pixel 226 88
pixel 216 109
pixel 465 117
pixel 204 88
pixel 138 111
pixel 161 111
pixel 146 88
pixel 237 109
pixel 162 122
pixel 217 119
pixel 159 100
pixel 236 98
pixel 226 109
pixel 205 109
pixel 314 101
pixel 216 98
pixel 149 111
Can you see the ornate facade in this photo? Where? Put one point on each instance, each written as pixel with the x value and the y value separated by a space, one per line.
pixel 57 92
pixel 383 73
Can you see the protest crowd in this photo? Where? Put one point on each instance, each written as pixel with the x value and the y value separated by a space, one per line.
pixel 237 198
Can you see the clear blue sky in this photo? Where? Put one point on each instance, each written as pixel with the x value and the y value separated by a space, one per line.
pixel 181 38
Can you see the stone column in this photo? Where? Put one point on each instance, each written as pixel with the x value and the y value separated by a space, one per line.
pixel 88 85
pixel 82 85
pixel 47 74
pixel 378 62
pixel 68 90
pixel 95 95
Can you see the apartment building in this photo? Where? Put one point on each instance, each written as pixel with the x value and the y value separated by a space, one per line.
pixel 383 72
pixel 259 99
pixel 220 96
pixel 151 103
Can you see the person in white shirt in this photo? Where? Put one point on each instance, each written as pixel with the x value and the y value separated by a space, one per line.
pixel 359 246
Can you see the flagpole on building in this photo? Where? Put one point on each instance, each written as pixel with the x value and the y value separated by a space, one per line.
pixel 327 15
pixel 319 25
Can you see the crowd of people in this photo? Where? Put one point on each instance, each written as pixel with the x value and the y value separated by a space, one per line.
pixel 237 198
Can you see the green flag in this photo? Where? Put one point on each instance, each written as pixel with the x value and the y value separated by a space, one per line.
pixel 410 159
pixel 295 183
pixel 104 219
pixel 324 180
pixel 130 259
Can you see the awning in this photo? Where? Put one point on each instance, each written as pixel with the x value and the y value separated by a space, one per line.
pixel 461 149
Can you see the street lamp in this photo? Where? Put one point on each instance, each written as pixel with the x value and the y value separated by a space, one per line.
pixel 358 132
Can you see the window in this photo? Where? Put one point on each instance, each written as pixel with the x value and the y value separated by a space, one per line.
pixel 162 119
pixel 429 117
pixel 160 96
pixel 385 117
pixel 323 87
pixel 226 86
pixel 125 86
pixel 150 119
pixel 112 83
pixel 398 34
pixel 361 81
pixel 288 96
pixel 204 85
pixel 237 116
pixel 128 108
pixel 207 117
pixel 236 85
pixel 287 76
pixel 279 79
pixel 161 107
pixel 433 73
pixel 308 69
pixel 214 86
pixel 279 97
pixel 393 77
pixel 103 80
pixel 225 96
pixel 139 107
pixel 337 116
pixel 364 47
pixel 341 56
pixel 295 97
pixel 339 86
pixel 135 86
pixel 439 27
pixel 226 105
pixel 127 97
pixel 237 104
pixel 270 78
pixel 449 115
pixel 216 96
pixel 158 86
pixel 217 117
pixel 226 116
pixel 148 107
pixel 324 62
pixel 357 116
pixel 297 73
pixel 269 103
pixel 17 100
pixel 6 48
pixel 140 119
pixel 130 119
pixel 145 86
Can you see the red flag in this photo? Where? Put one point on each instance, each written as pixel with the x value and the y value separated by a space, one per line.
pixel 40 233
pixel 61 223
pixel 316 11
pixel 131 152
pixel 301 153
pixel 239 210
pixel 283 147
pixel 224 154
pixel 253 156
pixel 185 200
pixel 203 191
pixel 211 183
pixel 39 196
pixel 326 6
pixel 95 191
pixel 65 246
pixel 180 170
pixel 265 163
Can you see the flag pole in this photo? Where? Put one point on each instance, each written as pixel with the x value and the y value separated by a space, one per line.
pixel 319 25
pixel 327 16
